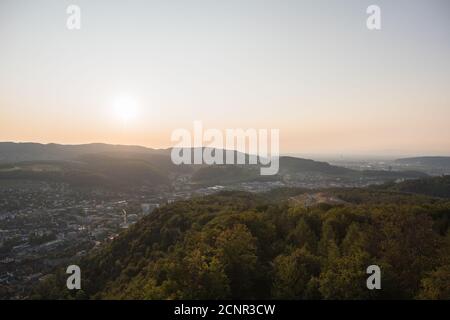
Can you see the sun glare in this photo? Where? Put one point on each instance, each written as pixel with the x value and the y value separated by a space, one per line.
pixel 125 109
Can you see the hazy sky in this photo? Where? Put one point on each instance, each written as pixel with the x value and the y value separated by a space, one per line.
pixel 309 68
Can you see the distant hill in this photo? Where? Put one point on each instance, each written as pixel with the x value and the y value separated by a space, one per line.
pixel 431 165
pixel 224 174
pixel 127 166
pixel 426 161
pixel 297 168
pixel 87 165
pixel 17 152
pixel 99 171
pixel 292 164
pixel 431 162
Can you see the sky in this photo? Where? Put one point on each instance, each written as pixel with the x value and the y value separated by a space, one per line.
pixel 138 70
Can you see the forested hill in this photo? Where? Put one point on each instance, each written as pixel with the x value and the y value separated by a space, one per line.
pixel 437 187
pixel 11 152
pixel 241 245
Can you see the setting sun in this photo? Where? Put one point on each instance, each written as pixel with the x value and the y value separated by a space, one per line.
pixel 125 108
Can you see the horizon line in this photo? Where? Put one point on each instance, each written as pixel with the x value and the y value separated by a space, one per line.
pixel 336 156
